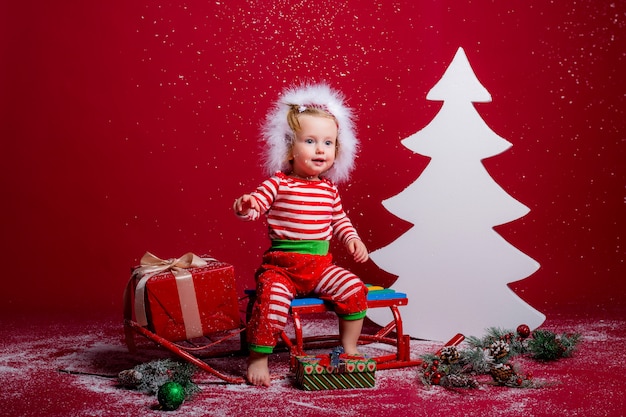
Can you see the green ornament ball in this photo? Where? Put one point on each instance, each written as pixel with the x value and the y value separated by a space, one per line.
pixel 171 395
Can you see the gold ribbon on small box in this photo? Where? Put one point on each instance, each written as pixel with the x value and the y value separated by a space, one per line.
pixel 150 266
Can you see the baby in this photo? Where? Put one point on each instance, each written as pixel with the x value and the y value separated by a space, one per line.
pixel 310 145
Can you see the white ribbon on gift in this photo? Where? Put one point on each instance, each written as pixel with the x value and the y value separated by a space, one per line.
pixel 150 266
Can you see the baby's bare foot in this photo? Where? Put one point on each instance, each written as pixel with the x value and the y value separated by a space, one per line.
pixel 258 370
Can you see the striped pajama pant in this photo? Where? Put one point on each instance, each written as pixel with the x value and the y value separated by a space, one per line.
pixel 284 275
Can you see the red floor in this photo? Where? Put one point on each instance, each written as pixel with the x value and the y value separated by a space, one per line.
pixel 592 383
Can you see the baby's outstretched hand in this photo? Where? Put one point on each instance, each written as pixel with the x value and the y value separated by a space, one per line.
pixel 358 250
pixel 244 204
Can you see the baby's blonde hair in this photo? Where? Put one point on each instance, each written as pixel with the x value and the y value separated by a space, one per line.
pixel 295 110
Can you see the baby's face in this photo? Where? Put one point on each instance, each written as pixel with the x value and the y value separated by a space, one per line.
pixel 314 147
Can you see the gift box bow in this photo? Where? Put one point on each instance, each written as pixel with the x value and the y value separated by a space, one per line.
pixel 151 265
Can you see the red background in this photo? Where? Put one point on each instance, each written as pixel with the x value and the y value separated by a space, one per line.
pixel 132 126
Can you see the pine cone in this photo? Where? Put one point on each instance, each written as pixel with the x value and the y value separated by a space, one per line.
pixel 501 372
pixel 449 354
pixel 129 378
pixel 499 349
pixel 459 381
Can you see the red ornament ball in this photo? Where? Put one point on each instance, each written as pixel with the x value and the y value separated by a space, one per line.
pixel 523 331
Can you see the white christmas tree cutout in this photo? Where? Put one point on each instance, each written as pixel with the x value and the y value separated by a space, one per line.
pixel 452 264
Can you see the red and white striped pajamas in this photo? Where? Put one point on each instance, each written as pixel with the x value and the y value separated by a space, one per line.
pixel 300 211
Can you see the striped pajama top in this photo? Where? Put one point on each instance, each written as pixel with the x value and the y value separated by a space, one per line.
pixel 298 209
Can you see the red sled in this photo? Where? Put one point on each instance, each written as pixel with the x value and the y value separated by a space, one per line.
pixel 190 307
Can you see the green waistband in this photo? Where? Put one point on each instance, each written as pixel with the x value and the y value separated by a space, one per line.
pixel 307 247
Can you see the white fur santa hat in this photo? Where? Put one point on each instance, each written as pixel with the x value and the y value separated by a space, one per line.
pixel 277 135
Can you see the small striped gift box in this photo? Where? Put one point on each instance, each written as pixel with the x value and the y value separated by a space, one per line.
pixel 314 373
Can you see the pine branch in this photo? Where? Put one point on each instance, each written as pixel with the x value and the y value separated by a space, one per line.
pixel 148 377
pixel 547 346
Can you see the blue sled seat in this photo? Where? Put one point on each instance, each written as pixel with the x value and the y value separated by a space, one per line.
pixel 375 294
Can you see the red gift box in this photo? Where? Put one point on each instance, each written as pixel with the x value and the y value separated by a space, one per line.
pixel 187 299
